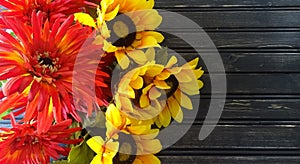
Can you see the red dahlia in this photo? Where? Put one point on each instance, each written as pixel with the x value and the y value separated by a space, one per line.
pixel 24 144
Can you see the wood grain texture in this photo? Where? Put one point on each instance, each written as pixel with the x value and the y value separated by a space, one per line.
pixel 253 61
pixel 209 159
pixel 259 43
pixel 225 3
pixel 233 40
pixel 232 19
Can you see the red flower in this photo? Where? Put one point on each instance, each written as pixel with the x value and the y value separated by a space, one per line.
pixel 51 9
pixel 39 61
pixel 24 144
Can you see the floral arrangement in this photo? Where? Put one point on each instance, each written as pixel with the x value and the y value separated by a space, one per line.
pixel 89 80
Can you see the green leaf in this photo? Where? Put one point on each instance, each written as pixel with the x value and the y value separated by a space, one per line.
pixel 81 154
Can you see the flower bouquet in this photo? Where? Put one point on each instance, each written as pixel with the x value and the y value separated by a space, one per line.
pixel 87 81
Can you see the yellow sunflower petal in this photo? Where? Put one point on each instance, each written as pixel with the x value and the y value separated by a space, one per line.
pixel 111 15
pixel 154 93
pixel 158 36
pixel 175 70
pixel 85 19
pixel 137 83
pixel 198 73
pixel 147 88
pixel 144 101
pixel 175 109
pixel 184 76
pixel 171 62
pixel 122 59
pixel 143 159
pixel 158 123
pixel 140 129
pixel 113 115
pixel 96 143
pixel 108 47
pixel 165 117
pixel 138 56
pixel 123 103
pixel 97 159
pixel 191 64
pixel 150 19
pixel 154 70
pixel 152 146
pixel 164 75
pixel 137 161
pixel 141 4
pixel 200 84
pixel 150 134
pixel 183 99
pixel 111 148
pixel 192 89
pixel 161 84
pixel 148 41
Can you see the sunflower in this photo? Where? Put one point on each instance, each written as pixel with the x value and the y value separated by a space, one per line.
pixel 156 92
pixel 136 141
pixel 129 32
pixel 23 143
pixel 183 81
pixel 52 10
pixel 40 59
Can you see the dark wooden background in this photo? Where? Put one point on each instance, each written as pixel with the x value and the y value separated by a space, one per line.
pixel 259 42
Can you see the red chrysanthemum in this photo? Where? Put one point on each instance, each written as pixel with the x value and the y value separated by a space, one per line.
pixel 40 61
pixel 51 9
pixel 24 144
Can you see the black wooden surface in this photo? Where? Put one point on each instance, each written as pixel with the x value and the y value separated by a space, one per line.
pixel 259 42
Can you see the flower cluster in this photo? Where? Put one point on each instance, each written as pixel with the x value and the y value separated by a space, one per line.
pixel 86 78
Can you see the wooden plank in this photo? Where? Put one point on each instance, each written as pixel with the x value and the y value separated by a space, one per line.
pixel 241 19
pixel 254 62
pixel 229 40
pixel 254 111
pixel 224 3
pixel 251 84
pixel 230 159
pixel 242 137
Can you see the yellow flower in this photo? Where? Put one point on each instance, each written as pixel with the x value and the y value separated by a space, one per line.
pixel 127 34
pixel 105 150
pixel 156 92
pixel 183 81
pixel 132 31
pixel 136 140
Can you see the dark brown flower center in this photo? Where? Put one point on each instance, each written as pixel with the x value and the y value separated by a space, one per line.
pixel 46 61
pixel 173 82
pixel 46 64
pixel 123 31
pixel 127 150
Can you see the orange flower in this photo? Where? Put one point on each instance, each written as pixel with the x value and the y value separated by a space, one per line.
pixel 23 143
pixel 40 60
pixel 51 9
